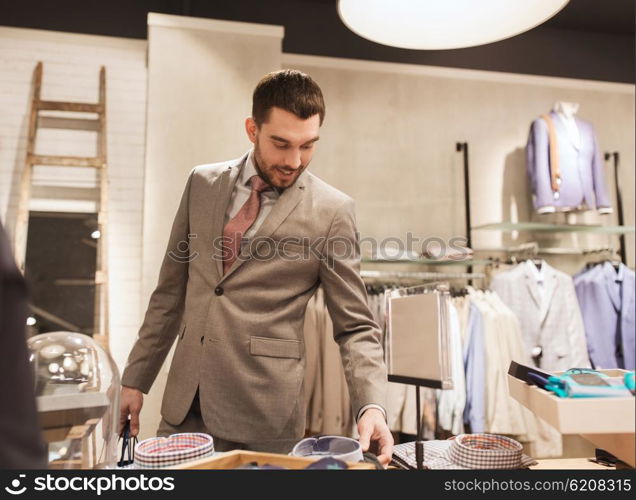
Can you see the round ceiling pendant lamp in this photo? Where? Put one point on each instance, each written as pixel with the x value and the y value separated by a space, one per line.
pixel 444 24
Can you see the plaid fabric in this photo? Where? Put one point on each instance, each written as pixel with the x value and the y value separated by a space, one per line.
pixel 467 451
pixel 158 452
pixel 487 451
pixel 404 454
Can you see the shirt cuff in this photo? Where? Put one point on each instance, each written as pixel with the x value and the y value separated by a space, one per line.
pixel 546 210
pixel 366 407
pixel 605 210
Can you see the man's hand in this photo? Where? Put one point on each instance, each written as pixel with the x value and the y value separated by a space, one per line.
pixel 130 403
pixel 375 435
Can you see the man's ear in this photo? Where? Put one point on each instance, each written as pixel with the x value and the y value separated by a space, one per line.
pixel 251 129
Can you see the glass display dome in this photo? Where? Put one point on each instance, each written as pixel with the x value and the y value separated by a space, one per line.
pixel 77 388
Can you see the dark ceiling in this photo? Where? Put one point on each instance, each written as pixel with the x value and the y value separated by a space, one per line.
pixel 609 16
pixel 589 39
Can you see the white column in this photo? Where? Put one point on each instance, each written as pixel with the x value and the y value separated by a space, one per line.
pixel 201 75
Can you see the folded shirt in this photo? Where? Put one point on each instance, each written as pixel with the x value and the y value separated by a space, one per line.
pixel 158 452
pixel 466 451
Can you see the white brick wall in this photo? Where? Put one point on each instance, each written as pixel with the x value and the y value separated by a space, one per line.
pixel 71 69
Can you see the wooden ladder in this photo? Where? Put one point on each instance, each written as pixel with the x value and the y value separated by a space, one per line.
pixel 36 121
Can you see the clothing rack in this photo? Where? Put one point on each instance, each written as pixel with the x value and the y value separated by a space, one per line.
pixel 603 250
pixel 574 251
pixel 605 255
pixel 512 261
pixel 525 250
pixel 552 250
pixel 419 276
pixel 519 255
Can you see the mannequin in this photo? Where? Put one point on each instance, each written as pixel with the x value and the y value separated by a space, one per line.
pixel 564 163
pixel 566 111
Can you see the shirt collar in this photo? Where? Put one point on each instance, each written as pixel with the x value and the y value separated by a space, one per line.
pixel 619 274
pixel 536 273
pixel 249 169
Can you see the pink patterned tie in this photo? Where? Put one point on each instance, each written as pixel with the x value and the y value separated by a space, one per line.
pixel 242 221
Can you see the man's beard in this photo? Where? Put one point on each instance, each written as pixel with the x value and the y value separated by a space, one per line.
pixel 259 163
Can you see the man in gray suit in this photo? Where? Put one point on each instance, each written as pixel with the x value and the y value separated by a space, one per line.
pixel 252 240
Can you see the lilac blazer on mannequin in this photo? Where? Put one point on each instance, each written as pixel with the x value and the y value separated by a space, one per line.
pixel 582 176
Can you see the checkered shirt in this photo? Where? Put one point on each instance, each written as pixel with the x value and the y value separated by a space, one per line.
pixel 467 451
pixel 159 452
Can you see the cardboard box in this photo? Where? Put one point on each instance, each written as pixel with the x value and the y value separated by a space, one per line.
pixel 609 423
pixel 236 458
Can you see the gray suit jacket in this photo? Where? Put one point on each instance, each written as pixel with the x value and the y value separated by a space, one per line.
pixel 582 176
pixel 240 335
pixel 554 324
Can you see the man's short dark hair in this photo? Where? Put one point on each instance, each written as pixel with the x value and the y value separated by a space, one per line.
pixel 288 89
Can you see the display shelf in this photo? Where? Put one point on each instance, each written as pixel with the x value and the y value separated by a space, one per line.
pixel 428 262
pixel 606 422
pixel 554 228
pixel 549 251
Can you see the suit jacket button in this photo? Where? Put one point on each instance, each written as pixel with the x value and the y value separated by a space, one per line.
pixel 202 339
pixel 218 290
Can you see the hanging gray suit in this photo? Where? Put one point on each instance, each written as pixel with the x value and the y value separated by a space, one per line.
pixel 550 318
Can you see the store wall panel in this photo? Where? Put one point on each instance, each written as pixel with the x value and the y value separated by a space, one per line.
pixel 389 141
pixel 71 69
pixel 201 74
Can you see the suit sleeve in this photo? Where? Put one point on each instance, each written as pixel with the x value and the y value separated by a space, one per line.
pixel 586 301
pixel 354 329
pixel 538 165
pixel 165 309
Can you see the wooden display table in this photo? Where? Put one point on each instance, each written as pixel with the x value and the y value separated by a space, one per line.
pixel 236 458
pixel 568 464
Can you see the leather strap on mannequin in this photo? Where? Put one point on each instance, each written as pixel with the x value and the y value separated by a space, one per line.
pixel 555 171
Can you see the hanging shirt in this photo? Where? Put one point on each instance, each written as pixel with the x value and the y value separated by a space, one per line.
pixel 452 401
pixel 475 368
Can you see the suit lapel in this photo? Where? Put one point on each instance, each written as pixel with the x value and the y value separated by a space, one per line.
pixel 531 283
pixel 222 195
pixel 279 212
pixel 610 277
